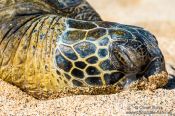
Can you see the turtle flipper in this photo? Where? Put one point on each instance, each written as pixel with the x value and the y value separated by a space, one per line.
pixel 76 9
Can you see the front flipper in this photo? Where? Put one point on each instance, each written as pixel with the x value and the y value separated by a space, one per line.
pixel 76 9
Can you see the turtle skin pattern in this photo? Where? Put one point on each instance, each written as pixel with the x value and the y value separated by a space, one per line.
pixel 52 45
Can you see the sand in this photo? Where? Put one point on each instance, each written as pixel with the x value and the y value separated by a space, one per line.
pixel 15 102
pixel 158 16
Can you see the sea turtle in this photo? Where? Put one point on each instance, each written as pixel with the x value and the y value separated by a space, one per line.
pixel 63 46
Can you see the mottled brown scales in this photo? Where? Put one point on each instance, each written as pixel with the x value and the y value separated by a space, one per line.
pixel 62 47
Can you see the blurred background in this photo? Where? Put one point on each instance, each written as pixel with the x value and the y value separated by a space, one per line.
pixel 157 16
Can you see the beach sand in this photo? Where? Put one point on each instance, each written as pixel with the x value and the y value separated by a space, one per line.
pixel 157 16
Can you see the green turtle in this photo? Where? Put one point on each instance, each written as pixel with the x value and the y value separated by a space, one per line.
pixel 64 47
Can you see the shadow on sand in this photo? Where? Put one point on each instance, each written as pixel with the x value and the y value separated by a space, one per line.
pixel 171 81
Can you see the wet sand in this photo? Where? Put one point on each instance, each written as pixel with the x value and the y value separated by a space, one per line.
pixel 157 16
